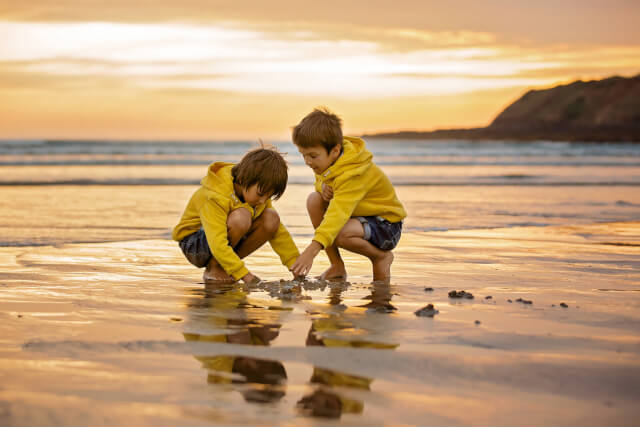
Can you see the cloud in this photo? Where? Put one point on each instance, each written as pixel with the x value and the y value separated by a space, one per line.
pixel 233 59
pixel 544 21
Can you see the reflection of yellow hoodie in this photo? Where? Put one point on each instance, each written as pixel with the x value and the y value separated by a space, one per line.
pixel 360 188
pixel 210 206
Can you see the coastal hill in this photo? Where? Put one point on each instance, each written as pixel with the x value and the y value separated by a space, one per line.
pixel 599 110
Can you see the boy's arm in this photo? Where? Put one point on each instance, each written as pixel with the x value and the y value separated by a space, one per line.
pixel 214 222
pixel 282 244
pixel 344 201
pixel 346 196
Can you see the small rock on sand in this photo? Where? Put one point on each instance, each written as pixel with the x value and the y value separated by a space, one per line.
pixel 563 305
pixel 460 294
pixel 427 311
pixel 428 289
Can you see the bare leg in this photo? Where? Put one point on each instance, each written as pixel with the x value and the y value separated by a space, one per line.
pixel 316 207
pixel 351 238
pixel 238 224
pixel 261 231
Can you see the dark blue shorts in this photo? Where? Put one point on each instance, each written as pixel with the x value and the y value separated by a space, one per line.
pixel 380 232
pixel 196 248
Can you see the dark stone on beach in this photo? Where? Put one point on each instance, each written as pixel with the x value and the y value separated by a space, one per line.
pixel 428 289
pixel 279 308
pixel 488 297
pixel 509 300
pixel 477 322
pixel 321 403
pixel 460 294
pixel 427 311
pixel 563 305
pixel 175 319
pixel 524 301
pixel 19 315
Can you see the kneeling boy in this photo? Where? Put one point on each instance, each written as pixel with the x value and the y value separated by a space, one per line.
pixel 354 206
pixel 231 215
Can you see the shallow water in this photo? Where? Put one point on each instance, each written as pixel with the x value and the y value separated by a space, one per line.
pixel 125 332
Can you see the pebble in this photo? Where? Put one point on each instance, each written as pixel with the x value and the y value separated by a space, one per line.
pixel 563 305
pixel 460 294
pixel 488 297
pixel 477 322
pixel 428 289
pixel 524 301
pixel 427 311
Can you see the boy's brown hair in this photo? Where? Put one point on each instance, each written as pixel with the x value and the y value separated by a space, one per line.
pixel 319 127
pixel 265 167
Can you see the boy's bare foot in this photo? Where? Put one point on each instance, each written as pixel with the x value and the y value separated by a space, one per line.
pixel 334 272
pixel 215 273
pixel 382 267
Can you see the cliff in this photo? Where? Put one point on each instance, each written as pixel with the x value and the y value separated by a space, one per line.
pixel 602 110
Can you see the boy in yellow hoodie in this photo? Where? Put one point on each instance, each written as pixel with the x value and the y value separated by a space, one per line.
pixel 354 206
pixel 231 215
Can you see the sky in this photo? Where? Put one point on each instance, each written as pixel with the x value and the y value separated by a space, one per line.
pixel 243 70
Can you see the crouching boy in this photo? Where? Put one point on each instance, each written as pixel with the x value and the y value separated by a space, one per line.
pixel 354 206
pixel 231 215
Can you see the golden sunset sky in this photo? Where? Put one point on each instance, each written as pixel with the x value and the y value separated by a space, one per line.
pixel 195 69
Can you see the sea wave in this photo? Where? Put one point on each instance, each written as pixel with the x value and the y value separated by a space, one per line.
pixel 491 181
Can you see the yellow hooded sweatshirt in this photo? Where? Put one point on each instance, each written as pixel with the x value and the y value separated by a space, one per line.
pixel 209 208
pixel 360 188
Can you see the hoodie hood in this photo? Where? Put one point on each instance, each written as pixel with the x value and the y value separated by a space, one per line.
pixel 218 176
pixel 219 180
pixel 354 160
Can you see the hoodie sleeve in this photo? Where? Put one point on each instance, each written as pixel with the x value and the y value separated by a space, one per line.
pixel 283 244
pixel 214 222
pixel 346 196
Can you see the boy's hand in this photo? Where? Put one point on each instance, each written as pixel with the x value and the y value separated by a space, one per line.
pixel 250 279
pixel 303 264
pixel 327 192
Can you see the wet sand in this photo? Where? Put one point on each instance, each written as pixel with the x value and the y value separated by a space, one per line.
pixel 125 333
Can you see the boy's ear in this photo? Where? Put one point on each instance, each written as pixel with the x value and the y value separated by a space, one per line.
pixel 335 151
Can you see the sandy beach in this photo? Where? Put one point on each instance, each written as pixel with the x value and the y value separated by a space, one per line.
pixel 120 330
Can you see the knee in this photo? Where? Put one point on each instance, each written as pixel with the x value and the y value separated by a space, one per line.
pixel 315 203
pixel 239 221
pixel 270 221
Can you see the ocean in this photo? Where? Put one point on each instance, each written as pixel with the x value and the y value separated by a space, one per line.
pixel 92 191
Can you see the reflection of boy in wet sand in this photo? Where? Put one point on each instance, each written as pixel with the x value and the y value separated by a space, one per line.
pixel 323 401
pixel 354 206
pixel 231 216
pixel 227 308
